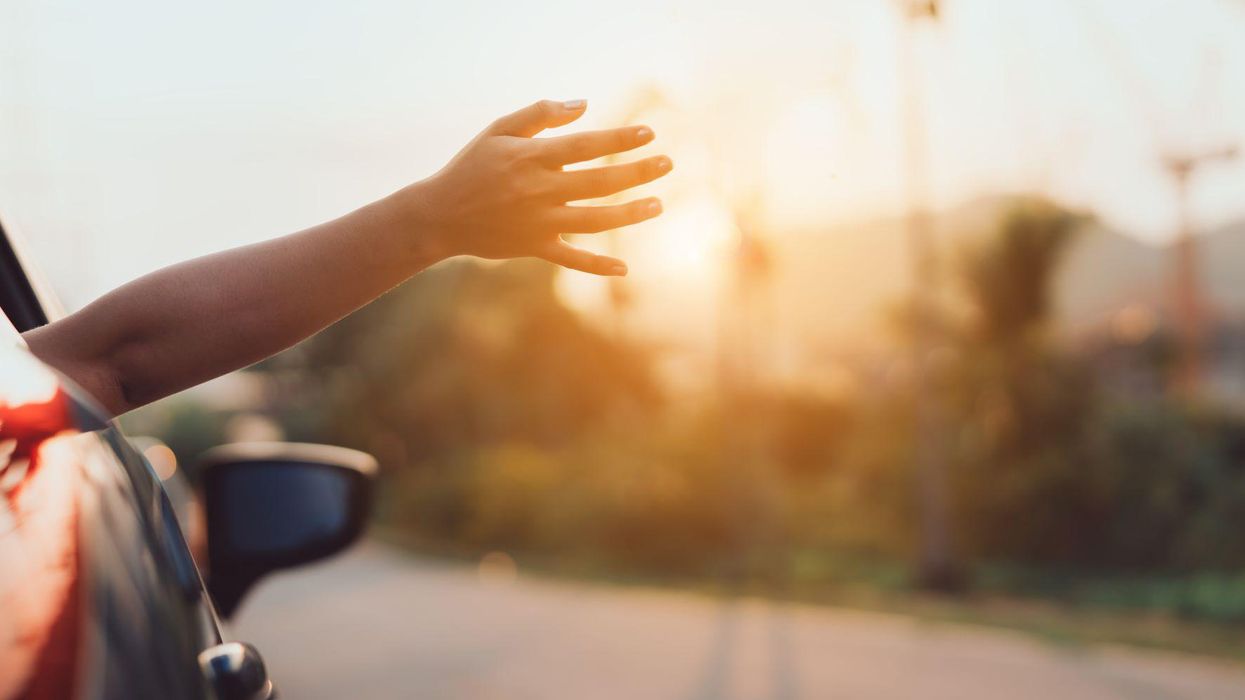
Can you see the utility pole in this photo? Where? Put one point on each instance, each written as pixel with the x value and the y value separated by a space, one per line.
pixel 1186 294
pixel 936 566
pixel 1187 302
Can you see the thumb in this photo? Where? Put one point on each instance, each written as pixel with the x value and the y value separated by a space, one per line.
pixel 537 117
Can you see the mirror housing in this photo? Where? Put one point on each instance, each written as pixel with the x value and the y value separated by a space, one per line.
pixel 272 506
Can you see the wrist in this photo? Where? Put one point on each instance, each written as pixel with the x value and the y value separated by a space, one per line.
pixel 423 232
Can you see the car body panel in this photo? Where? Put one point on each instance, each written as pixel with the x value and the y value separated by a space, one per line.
pixel 102 598
pixel 40 566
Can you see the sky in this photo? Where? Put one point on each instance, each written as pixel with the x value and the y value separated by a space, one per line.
pixel 135 133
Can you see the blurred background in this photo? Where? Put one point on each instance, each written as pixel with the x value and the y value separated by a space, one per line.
pixel 943 332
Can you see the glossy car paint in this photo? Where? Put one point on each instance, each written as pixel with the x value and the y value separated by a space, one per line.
pixel 100 594
pixel 40 566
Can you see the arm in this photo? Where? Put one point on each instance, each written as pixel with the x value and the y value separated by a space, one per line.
pixel 503 196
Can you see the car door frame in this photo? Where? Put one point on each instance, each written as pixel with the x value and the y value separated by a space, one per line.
pixel 26 302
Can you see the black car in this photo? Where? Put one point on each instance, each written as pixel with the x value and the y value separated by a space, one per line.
pixel 100 596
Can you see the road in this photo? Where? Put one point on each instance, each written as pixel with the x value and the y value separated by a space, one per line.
pixel 377 623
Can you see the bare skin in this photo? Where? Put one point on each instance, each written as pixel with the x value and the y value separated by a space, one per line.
pixel 504 195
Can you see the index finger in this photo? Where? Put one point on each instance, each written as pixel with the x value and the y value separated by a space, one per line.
pixel 589 145
pixel 537 117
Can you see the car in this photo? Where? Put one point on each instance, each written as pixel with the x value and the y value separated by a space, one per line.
pixel 100 595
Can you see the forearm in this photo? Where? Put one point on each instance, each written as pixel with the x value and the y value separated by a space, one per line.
pixel 505 195
pixel 194 321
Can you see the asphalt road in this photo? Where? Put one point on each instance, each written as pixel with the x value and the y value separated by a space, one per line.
pixel 377 623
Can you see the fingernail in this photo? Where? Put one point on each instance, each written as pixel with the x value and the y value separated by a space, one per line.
pixel 643 133
pixel 618 269
pixel 574 104
pixel 654 207
pixel 663 164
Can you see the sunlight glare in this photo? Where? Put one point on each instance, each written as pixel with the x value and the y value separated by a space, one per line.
pixel 692 240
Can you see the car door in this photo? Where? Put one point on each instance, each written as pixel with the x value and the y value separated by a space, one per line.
pixel 101 598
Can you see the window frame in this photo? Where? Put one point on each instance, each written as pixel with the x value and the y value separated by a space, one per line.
pixel 19 297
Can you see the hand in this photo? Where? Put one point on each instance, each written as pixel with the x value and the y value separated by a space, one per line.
pixel 505 194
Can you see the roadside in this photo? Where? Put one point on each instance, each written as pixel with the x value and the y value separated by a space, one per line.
pixel 1054 622
pixel 379 623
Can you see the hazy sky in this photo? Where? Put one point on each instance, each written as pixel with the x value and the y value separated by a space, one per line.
pixel 134 134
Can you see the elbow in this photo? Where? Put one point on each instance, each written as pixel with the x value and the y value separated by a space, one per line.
pixel 98 380
pixel 110 368
pixel 94 373
pixel 108 386
pixel 122 396
pixel 122 383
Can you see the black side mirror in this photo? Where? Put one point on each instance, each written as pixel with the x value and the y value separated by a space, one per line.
pixel 271 506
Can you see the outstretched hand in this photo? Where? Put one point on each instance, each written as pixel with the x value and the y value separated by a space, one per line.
pixel 505 195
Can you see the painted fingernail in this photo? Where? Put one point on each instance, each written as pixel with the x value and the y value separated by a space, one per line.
pixel 574 104
pixel 618 269
pixel 643 133
pixel 654 207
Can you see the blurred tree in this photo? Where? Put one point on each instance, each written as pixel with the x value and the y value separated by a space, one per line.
pixel 188 428
pixel 1026 481
pixel 467 355
pixel 1009 277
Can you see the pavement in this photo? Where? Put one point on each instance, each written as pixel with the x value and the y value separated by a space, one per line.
pixel 380 623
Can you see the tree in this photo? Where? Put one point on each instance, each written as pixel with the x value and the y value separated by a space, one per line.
pixel 1009 277
pixel 1025 410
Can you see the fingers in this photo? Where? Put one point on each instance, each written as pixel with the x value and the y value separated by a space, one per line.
pixel 597 219
pixel 561 253
pixel 537 117
pixel 601 182
pixel 589 145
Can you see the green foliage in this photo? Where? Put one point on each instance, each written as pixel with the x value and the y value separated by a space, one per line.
pixel 1049 468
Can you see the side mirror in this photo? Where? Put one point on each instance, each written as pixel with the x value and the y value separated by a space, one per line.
pixel 272 506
